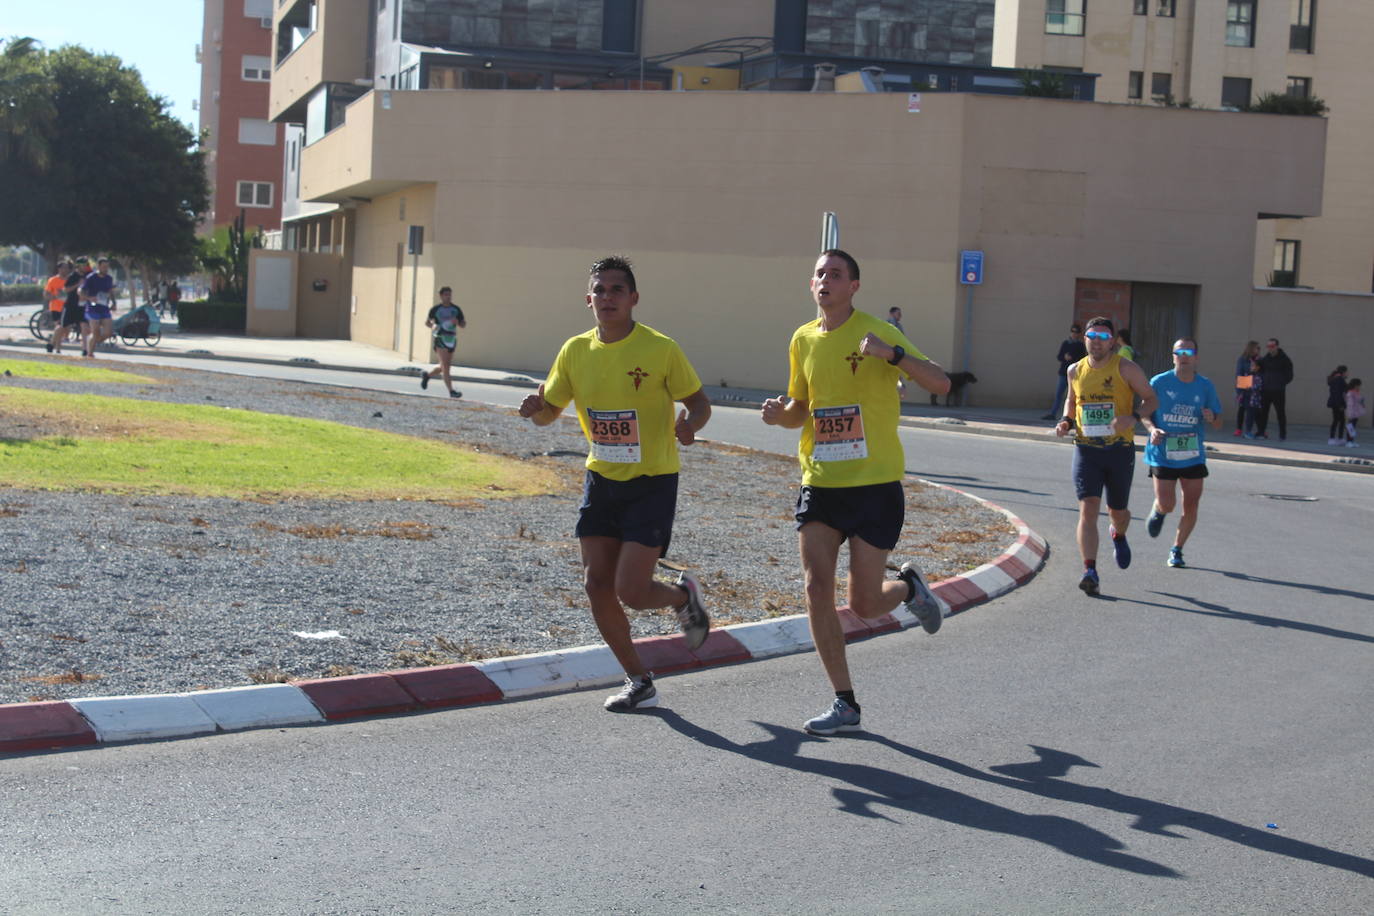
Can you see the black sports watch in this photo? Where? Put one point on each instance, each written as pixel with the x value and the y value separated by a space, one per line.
pixel 897 353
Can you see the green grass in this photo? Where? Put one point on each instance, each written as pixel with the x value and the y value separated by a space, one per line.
pixel 122 445
pixel 70 372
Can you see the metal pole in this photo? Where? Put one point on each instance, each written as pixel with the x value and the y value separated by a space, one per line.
pixel 414 280
pixel 968 342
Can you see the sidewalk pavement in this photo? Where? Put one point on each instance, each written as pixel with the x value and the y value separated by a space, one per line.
pixel 1305 447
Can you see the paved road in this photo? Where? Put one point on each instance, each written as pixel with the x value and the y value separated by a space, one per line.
pixel 1047 753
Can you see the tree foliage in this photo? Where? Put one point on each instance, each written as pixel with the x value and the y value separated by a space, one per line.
pixel 1044 84
pixel 1283 103
pixel 120 175
pixel 224 255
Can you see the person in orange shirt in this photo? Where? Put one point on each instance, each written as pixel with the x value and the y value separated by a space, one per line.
pixel 56 293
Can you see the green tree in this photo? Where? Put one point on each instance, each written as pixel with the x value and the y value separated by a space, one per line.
pixel 1045 84
pixel 122 176
pixel 1283 103
pixel 26 110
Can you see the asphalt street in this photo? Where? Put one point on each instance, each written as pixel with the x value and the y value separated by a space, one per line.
pixel 1195 740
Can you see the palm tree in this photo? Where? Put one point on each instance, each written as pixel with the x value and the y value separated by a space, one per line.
pixel 26 109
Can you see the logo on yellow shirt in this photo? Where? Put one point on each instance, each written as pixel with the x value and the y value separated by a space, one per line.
pixel 638 375
pixel 854 359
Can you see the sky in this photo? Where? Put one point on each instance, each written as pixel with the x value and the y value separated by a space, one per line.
pixel 157 37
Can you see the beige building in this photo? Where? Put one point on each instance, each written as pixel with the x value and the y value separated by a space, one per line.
pixel 1221 54
pixel 1145 213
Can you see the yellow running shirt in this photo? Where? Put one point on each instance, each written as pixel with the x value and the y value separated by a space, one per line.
pixel 624 393
pixel 850 439
pixel 1101 396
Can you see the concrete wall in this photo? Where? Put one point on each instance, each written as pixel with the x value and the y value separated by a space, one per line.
pixel 718 196
pixel 1318 331
pixel 1338 248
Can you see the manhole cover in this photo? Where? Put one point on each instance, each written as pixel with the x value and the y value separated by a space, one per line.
pixel 1289 497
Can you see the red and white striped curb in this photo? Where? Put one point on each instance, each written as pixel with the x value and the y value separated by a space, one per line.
pixel 76 723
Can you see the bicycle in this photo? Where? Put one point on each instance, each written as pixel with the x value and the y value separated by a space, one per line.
pixel 43 323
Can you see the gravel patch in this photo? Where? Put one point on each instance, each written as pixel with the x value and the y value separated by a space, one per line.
pixel 105 595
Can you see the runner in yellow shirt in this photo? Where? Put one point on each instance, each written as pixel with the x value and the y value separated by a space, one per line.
pixel 624 377
pixel 1100 409
pixel 843 395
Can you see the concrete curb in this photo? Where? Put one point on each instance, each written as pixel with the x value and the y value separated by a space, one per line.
pixel 55 725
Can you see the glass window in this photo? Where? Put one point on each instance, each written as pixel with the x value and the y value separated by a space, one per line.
pixel 255 193
pixel 1240 23
pixel 1287 253
pixel 445 78
pixel 619 30
pixel 256 68
pixel 1235 93
pixel 1140 7
pixel 1165 8
pixel 1300 27
pixel 1064 17
pixel 1300 87
pixel 1135 86
pixel 1161 86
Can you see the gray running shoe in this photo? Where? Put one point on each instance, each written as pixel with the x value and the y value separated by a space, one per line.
pixel 692 616
pixel 923 602
pixel 636 694
pixel 840 717
pixel 1176 557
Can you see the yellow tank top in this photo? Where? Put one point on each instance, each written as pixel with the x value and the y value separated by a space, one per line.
pixel 1102 395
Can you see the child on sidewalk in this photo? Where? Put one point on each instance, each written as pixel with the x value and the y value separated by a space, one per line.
pixel 1354 409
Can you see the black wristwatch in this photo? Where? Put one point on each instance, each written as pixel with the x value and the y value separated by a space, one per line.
pixel 897 354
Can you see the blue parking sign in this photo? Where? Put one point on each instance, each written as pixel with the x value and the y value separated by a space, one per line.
pixel 970 268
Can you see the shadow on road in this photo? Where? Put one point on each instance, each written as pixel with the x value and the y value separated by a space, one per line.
pixel 1321 589
pixel 1044 777
pixel 869 788
pixel 1207 609
pixel 975 483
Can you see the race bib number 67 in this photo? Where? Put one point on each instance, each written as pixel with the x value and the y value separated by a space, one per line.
pixel 614 435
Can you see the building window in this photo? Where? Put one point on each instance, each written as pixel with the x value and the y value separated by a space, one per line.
pixel 257 132
pixel 1135 85
pixel 255 193
pixel 1287 253
pixel 257 9
pixel 1235 93
pixel 619 28
pixel 1300 87
pixel 1240 23
pixel 1165 9
pixel 1300 29
pixel 1141 7
pixel 1064 17
pixel 257 69
pixel 1161 87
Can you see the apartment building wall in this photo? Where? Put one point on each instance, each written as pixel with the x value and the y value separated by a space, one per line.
pixel 1337 250
pixel 243 145
pixel 718 196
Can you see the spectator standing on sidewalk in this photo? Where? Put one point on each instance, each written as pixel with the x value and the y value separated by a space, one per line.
pixel 1070 351
pixel 1335 399
pixel 1126 350
pixel 173 297
pixel 1248 388
pixel 1276 369
pixel 1354 409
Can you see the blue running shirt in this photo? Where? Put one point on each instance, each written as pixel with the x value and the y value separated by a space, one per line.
pixel 1180 416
